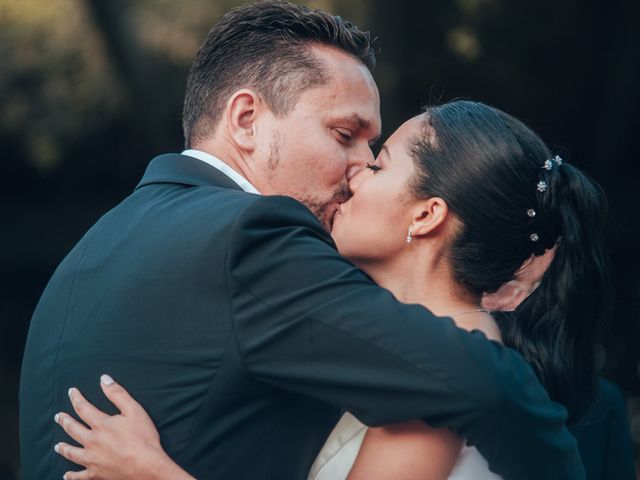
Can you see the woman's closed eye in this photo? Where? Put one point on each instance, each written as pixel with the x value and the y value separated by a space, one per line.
pixel 373 167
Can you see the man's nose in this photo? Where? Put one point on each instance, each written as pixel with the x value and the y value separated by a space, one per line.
pixel 356 180
pixel 359 161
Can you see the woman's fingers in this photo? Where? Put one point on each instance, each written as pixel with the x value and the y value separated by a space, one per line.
pixel 107 442
pixel 73 454
pixel 85 410
pixel 74 429
pixel 83 475
pixel 120 397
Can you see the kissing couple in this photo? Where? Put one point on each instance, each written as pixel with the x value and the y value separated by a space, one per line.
pixel 275 287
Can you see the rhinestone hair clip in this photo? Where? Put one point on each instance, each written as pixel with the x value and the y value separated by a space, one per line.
pixel 541 187
pixel 548 164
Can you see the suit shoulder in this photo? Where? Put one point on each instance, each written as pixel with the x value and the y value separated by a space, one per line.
pixel 202 203
pixel 276 225
pixel 277 210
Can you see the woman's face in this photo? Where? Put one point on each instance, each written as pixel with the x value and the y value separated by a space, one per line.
pixel 372 225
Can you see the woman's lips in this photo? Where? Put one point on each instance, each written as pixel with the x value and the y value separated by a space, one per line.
pixel 337 212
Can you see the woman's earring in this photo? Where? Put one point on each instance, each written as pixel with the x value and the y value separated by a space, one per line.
pixel 410 235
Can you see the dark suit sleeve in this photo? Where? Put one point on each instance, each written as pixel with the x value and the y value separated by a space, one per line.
pixel 308 321
pixel 604 437
pixel 619 453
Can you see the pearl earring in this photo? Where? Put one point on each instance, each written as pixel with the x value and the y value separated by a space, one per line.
pixel 410 235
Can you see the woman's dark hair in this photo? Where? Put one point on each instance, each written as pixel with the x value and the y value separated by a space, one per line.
pixel 264 46
pixel 487 166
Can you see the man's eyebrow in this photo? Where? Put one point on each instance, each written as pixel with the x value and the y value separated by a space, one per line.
pixel 362 123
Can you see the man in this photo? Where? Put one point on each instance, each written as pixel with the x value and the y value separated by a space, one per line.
pixel 230 315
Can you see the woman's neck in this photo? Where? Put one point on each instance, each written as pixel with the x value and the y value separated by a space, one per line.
pixel 424 279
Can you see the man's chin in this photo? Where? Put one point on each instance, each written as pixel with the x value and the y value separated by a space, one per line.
pixel 325 211
pixel 324 214
pixel 327 220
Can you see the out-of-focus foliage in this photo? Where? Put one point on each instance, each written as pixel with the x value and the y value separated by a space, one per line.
pixel 55 82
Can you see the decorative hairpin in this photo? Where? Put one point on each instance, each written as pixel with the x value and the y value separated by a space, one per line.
pixel 548 164
pixel 541 186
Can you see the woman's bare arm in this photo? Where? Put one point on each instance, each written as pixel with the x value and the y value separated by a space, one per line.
pixel 414 450
pixel 406 451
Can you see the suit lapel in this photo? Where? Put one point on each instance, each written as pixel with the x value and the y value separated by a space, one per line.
pixel 185 170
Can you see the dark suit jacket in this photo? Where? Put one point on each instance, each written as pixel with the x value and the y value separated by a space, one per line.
pixel 603 436
pixel 234 321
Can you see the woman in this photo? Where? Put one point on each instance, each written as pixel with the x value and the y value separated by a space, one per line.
pixel 480 194
pixel 459 200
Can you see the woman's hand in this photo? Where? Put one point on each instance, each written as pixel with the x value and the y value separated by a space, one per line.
pixel 120 447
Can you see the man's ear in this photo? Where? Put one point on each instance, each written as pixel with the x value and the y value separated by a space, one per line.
pixel 241 112
pixel 428 216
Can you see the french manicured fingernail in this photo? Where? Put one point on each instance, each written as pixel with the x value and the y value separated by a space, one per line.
pixel 106 379
pixel 56 418
pixel 64 477
pixel 56 448
pixel 70 392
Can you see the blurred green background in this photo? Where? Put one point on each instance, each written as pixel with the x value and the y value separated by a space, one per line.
pixel 91 90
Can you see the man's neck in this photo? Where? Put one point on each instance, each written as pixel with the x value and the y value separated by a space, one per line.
pixel 222 163
pixel 223 152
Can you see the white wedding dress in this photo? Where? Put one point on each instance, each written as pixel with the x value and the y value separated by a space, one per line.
pixel 341 448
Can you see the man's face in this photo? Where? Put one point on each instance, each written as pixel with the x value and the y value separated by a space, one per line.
pixel 325 140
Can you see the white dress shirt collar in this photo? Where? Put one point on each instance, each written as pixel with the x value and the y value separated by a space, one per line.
pixel 218 164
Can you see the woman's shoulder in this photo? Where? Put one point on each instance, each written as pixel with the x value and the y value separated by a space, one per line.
pixel 482 321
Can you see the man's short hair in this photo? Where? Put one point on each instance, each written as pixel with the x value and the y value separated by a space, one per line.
pixel 265 47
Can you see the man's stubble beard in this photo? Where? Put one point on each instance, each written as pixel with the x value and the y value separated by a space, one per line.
pixel 323 209
pixel 274 153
